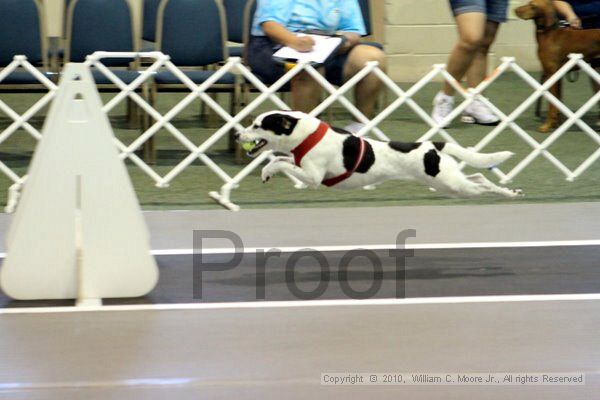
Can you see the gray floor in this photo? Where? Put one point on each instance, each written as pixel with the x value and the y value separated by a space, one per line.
pixel 281 352
pixel 430 273
pixel 427 273
pixel 277 349
pixel 364 225
pixel 350 226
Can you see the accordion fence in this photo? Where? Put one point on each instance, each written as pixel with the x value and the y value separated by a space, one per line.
pixel 160 61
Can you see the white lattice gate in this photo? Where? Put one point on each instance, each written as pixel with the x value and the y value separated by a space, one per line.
pixel 160 61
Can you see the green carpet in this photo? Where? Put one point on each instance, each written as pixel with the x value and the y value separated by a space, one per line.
pixel 541 181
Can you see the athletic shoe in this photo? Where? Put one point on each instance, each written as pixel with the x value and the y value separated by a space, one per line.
pixel 479 113
pixel 442 106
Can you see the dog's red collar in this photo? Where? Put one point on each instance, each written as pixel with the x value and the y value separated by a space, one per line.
pixel 311 141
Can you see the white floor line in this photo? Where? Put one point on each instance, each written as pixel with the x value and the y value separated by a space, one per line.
pixel 151 383
pixel 308 303
pixel 408 246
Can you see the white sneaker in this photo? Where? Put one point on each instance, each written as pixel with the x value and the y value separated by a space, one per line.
pixel 442 106
pixel 479 113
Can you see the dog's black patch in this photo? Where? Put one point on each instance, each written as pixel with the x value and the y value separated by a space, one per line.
pixel 341 131
pixel 404 147
pixel 431 160
pixel 351 151
pixel 439 145
pixel 280 124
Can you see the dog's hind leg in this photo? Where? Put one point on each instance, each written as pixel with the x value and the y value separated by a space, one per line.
pixel 457 184
pixel 478 178
pixel 491 187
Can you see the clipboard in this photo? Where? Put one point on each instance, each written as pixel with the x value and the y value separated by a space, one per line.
pixel 325 47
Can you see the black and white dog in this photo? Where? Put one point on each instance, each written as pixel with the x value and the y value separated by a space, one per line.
pixel 320 154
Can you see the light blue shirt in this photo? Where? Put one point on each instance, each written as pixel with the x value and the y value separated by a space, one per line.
pixel 302 15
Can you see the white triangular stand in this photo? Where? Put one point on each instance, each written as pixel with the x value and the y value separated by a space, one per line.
pixel 78 231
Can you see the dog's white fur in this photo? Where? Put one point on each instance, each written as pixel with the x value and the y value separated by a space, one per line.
pixel 325 160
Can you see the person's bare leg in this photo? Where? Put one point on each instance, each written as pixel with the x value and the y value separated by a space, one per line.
pixel 367 90
pixel 478 69
pixel 471 29
pixel 306 92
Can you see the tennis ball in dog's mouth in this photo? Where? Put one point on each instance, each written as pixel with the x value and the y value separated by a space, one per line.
pixel 248 146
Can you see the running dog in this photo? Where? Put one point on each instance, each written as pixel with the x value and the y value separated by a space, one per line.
pixel 319 154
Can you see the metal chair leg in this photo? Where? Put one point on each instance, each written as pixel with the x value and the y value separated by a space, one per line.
pixel 148 149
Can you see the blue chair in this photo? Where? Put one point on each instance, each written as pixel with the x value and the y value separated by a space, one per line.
pixel 149 24
pixel 192 33
pixel 22 33
pixel 94 25
pixel 234 10
pixel 249 11
pixel 103 25
pixel 365 7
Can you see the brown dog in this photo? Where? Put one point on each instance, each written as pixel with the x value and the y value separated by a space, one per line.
pixel 555 44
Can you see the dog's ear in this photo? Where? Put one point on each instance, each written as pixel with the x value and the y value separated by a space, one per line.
pixel 280 124
pixel 525 11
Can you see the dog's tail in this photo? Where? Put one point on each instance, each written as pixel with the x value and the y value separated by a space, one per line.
pixel 475 159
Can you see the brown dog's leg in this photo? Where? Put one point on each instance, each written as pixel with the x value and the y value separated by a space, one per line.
pixel 552 116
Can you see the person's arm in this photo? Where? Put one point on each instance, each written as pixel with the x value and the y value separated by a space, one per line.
pixel 271 16
pixel 352 39
pixel 278 33
pixel 567 12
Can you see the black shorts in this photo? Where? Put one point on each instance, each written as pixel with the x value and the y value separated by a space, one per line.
pixel 260 59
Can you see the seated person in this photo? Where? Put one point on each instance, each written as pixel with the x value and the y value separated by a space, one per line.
pixel 276 24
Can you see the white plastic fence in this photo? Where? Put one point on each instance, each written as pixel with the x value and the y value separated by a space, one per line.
pixel 22 121
pixel 234 65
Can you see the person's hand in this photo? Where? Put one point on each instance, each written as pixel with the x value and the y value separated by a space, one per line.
pixel 574 22
pixel 566 11
pixel 352 39
pixel 302 43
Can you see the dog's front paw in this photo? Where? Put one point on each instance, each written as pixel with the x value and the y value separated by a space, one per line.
pixel 267 173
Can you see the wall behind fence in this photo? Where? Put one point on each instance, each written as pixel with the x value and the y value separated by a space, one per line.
pixel 419 33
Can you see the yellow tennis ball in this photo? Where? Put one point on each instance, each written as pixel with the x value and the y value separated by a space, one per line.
pixel 248 146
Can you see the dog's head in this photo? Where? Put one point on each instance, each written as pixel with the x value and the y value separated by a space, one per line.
pixel 542 12
pixel 274 130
